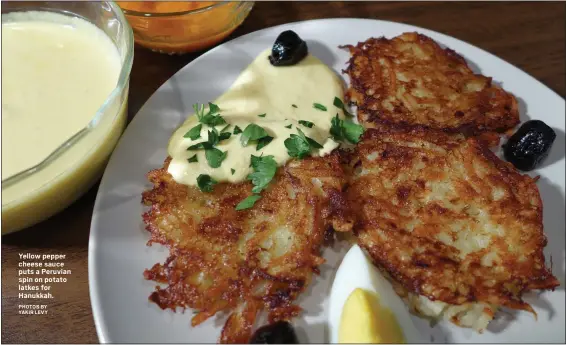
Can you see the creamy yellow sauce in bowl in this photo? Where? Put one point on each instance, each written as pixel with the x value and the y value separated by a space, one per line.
pixel 65 85
pixel 281 100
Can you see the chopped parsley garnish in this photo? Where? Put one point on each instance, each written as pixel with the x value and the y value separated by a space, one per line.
pixel 193 159
pixel 262 142
pixel 199 146
pixel 248 202
pixel 233 171
pixel 262 115
pixel 212 118
pixel 345 130
pixel 205 183
pixel 214 157
pixel 224 136
pixel 254 160
pixel 213 108
pixel 306 123
pixel 299 146
pixel 194 133
pixel 294 105
pixel 313 143
pixel 319 106
pixel 336 128
pixel 252 132
pixel 237 130
pixel 264 168
pixel 213 139
pixel 289 126
pixel 340 105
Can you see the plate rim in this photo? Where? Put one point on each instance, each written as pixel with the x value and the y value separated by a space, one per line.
pixel 96 306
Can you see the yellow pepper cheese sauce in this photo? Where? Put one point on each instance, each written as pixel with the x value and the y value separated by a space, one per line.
pixel 57 71
pixel 274 98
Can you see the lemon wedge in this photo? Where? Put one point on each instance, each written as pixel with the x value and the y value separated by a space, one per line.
pixel 364 320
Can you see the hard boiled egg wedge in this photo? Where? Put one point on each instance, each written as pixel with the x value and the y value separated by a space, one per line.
pixel 364 308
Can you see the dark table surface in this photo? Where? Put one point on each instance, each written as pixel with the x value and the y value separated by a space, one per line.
pixel 528 35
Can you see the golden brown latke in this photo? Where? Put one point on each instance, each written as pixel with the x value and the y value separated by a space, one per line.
pixel 243 261
pixel 447 219
pixel 411 80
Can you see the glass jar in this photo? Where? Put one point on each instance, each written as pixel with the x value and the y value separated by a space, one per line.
pixel 174 27
pixel 40 191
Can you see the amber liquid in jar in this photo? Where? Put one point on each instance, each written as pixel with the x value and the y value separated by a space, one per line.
pixel 181 32
pixel 163 6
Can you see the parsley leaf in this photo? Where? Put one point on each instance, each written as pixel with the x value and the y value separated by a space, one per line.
pixel 265 168
pixel 193 133
pixel 205 183
pixel 262 115
pixel 352 131
pixel 213 138
pixel 212 118
pixel 306 123
pixel 289 126
pixel 254 161
pixel 313 143
pixel 193 159
pixel 213 108
pixel 225 128
pixel 336 128
pixel 237 130
pixel 214 157
pixel 204 145
pixel 345 130
pixel 299 146
pixel 233 171
pixel 224 136
pixel 261 143
pixel 199 110
pixel 247 202
pixel 252 132
pixel 319 106
pixel 340 105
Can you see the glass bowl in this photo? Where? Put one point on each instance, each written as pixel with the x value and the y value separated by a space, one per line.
pixel 181 27
pixel 40 191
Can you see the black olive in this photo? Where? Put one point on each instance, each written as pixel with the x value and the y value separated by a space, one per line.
pixel 288 49
pixel 530 145
pixel 280 332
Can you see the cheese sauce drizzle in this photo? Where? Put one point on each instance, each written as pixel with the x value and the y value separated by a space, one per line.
pixel 286 95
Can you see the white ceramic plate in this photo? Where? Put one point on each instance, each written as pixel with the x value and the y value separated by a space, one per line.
pixel 117 250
